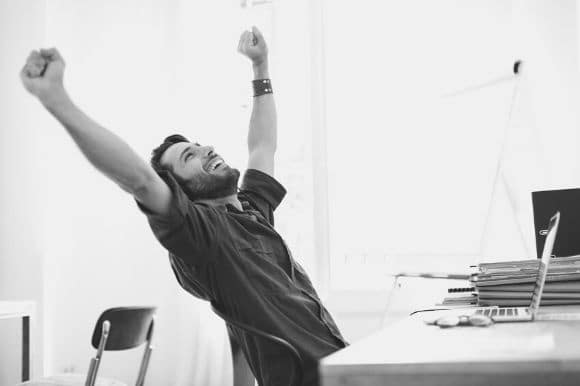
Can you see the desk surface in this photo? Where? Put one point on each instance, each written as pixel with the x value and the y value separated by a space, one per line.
pixel 13 309
pixel 26 311
pixel 413 353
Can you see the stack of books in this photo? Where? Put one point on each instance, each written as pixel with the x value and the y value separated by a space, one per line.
pixel 460 297
pixel 511 283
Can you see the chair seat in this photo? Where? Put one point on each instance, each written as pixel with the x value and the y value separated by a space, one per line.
pixel 70 380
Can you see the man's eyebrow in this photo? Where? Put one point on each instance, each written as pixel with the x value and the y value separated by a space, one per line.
pixel 186 149
pixel 183 152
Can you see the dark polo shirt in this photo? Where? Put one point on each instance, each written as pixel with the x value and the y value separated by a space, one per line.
pixel 236 260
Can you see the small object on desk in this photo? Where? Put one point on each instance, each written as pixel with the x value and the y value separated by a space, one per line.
pixel 463 296
pixel 459 300
pixel 461 320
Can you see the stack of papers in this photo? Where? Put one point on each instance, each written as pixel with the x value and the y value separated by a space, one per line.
pixel 462 297
pixel 459 300
pixel 511 283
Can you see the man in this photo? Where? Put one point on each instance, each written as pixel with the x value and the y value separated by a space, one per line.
pixel 222 244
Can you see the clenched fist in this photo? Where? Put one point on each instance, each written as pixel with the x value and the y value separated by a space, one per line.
pixel 253 45
pixel 42 75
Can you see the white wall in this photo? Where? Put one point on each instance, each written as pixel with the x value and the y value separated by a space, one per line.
pixel 542 147
pixel 410 172
pixel 125 67
pixel 145 69
pixel 22 27
pixel 425 197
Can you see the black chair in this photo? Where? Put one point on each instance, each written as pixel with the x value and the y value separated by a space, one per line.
pixel 116 329
pixel 296 358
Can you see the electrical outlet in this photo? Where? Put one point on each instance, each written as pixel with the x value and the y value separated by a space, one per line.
pixel 69 369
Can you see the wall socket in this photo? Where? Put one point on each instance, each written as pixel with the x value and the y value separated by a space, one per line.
pixel 69 369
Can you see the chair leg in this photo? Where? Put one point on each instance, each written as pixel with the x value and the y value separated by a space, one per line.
pixel 144 365
pixel 91 374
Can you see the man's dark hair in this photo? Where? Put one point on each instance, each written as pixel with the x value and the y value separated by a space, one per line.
pixel 157 153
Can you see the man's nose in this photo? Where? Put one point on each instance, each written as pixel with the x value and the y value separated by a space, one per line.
pixel 209 150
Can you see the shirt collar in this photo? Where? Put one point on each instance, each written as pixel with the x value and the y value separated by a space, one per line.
pixel 232 208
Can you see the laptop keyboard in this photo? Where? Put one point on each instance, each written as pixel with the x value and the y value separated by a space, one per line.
pixel 511 311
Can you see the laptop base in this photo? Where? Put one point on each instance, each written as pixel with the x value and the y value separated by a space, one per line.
pixel 506 314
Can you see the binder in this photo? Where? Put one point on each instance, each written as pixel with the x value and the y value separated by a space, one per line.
pixel 563 286
pixel 525 303
pixel 491 295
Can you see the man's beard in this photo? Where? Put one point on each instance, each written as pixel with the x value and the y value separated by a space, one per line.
pixel 211 186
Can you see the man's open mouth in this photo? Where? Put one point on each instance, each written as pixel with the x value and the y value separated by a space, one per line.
pixel 214 163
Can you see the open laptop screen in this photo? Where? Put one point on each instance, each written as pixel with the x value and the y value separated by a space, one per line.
pixel 547 202
pixel 545 262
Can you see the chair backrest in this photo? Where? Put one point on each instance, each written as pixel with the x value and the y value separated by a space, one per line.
pixel 296 357
pixel 129 327
pixel 122 328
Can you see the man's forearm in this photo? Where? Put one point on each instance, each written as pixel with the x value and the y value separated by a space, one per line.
pixel 263 130
pixel 104 149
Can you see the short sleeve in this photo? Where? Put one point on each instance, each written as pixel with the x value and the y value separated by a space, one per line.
pixel 188 230
pixel 263 192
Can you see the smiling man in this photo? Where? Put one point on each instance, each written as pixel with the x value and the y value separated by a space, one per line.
pixel 222 244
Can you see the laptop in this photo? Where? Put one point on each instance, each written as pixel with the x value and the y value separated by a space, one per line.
pixel 527 314
pixel 547 202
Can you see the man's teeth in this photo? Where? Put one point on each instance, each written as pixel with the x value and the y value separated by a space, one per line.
pixel 215 163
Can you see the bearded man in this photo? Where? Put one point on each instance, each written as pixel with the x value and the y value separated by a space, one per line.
pixel 221 240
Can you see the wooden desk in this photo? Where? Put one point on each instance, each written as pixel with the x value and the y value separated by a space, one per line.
pixel 24 310
pixel 412 353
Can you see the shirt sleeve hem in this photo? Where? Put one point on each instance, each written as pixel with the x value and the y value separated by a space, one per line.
pixel 266 186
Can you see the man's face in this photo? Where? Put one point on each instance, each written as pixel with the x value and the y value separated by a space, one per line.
pixel 201 172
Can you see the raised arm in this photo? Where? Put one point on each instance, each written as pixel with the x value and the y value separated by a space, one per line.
pixel 262 137
pixel 42 76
